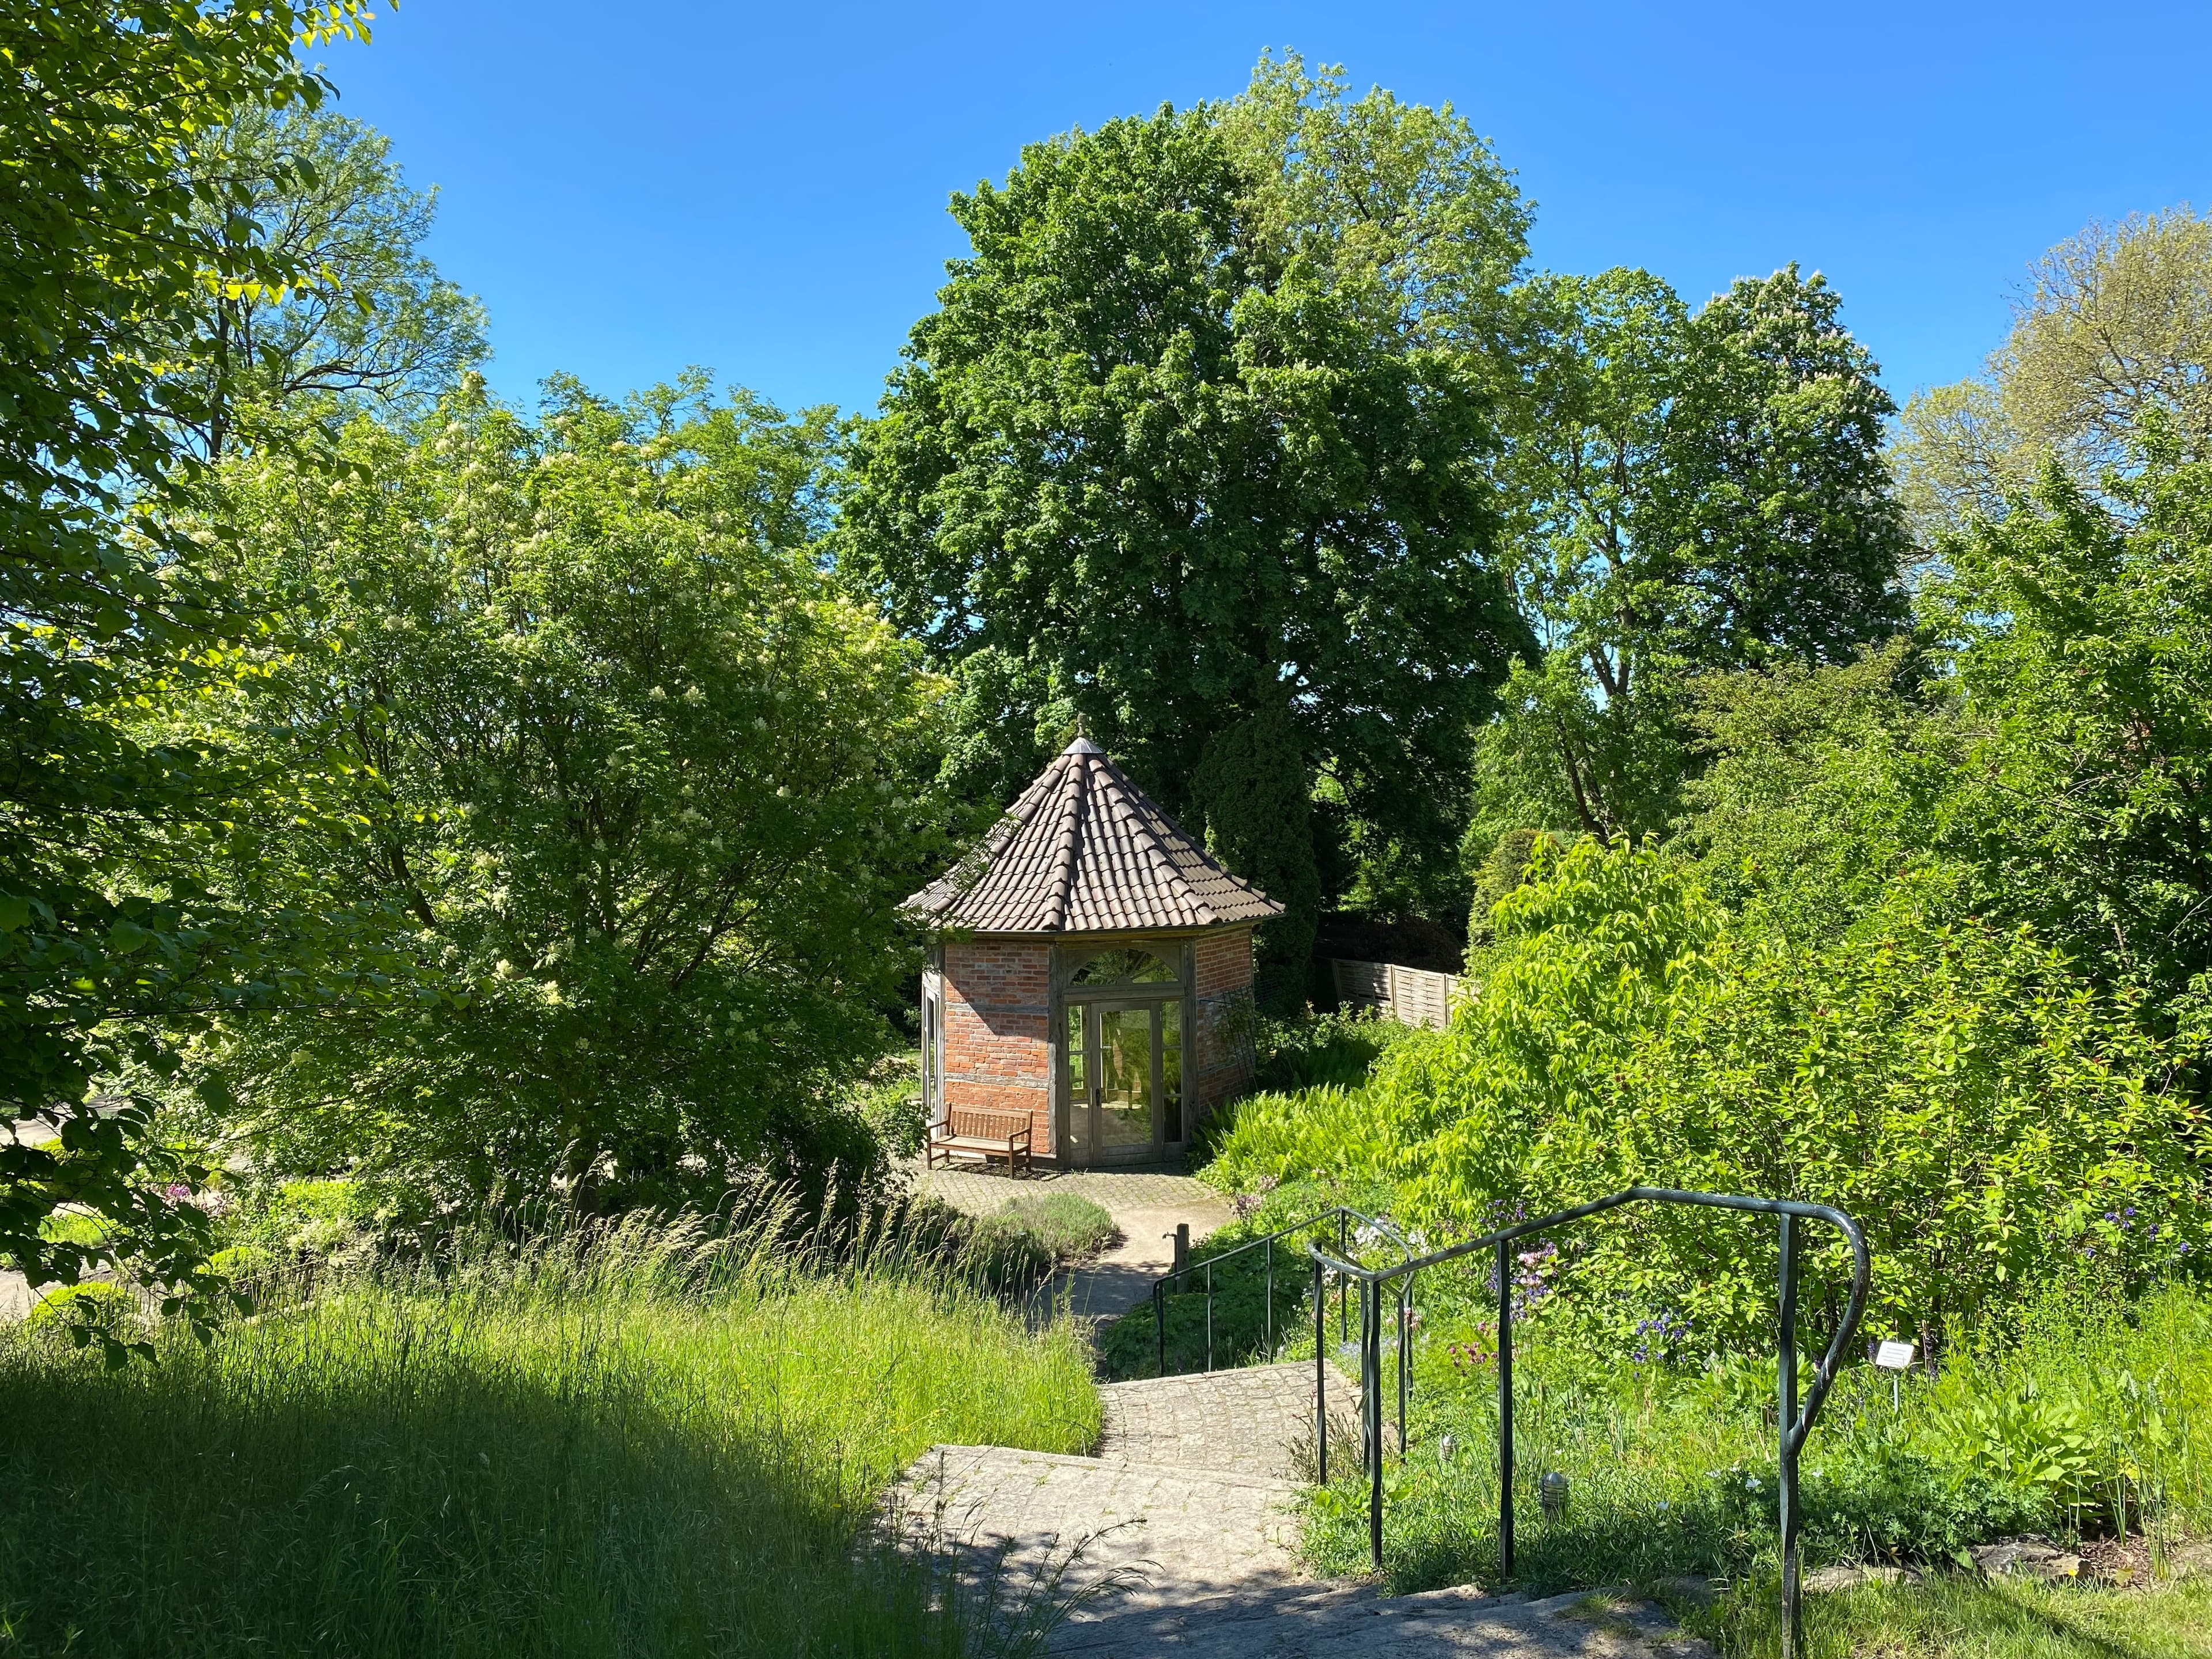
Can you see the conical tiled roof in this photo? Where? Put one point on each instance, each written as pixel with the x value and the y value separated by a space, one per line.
pixel 1085 851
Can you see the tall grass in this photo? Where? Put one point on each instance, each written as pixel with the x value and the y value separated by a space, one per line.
pixel 642 1439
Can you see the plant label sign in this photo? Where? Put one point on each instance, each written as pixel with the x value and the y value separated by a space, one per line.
pixel 1893 1356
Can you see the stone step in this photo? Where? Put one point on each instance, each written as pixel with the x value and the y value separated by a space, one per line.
pixel 1299 1622
pixel 1139 1531
pixel 1258 1420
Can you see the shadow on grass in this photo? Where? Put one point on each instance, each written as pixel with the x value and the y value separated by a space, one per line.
pixel 1967 1616
pixel 407 1486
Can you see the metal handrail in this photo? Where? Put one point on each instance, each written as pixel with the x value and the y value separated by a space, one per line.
pixel 1342 1214
pixel 1793 1425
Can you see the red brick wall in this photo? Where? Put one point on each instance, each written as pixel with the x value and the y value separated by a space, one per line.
pixel 997 996
pixel 1225 1017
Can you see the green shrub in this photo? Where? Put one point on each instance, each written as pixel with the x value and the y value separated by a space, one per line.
pixel 1991 1121
pixel 1067 1225
pixel 1339 1049
pixel 92 1310
pixel 1266 1138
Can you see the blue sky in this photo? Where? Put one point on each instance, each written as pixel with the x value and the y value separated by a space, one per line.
pixel 632 189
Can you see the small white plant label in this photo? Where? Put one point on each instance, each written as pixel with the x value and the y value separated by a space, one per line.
pixel 1893 1356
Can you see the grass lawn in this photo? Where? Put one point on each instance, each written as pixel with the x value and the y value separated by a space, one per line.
pixel 650 1443
pixel 1968 1618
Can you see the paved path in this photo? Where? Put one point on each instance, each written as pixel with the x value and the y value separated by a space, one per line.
pixel 1181 1537
pixel 1146 1206
pixel 1257 1421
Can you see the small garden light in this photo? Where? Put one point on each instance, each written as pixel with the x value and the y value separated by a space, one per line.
pixel 1551 1490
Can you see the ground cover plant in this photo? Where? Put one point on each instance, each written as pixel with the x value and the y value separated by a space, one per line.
pixel 644 1437
pixel 2093 1416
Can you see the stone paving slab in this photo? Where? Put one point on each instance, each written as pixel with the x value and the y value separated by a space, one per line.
pixel 1148 1529
pixel 1255 1420
pixel 1448 1624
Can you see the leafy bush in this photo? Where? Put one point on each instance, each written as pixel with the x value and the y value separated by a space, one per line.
pixel 92 1310
pixel 640 791
pixel 1270 1136
pixel 1989 1119
pixel 1339 1049
pixel 1068 1225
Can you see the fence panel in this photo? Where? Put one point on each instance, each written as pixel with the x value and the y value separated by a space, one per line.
pixel 1412 996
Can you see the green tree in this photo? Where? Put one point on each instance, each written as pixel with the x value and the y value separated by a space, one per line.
pixel 1251 784
pixel 646 789
pixel 1198 434
pixel 1690 494
pixel 2115 328
pixel 2084 628
pixel 105 110
pixel 370 319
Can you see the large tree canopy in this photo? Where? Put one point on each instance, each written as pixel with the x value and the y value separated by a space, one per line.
pixel 1200 433
pixel 646 790
pixel 370 322
pixel 105 254
pixel 2113 333
pixel 1690 494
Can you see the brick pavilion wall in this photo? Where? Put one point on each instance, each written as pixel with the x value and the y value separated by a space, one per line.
pixel 1225 1017
pixel 997 1053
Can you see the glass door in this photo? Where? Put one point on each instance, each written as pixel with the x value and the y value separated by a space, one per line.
pixel 1124 1080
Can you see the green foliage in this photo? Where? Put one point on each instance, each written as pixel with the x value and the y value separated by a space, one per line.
pixel 643 786
pixel 1067 1225
pixel 1689 493
pixel 1824 783
pixel 370 322
pixel 655 1437
pixel 1197 431
pixel 2112 337
pixel 2086 663
pixel 1253 786
pixel 1309 1115
pixel 105 110
pixel 95 1308
pixel 2093 1408
pixel 1963 1616
pixel 1990 1120
pixel 1324 1129
pixel 1316 1048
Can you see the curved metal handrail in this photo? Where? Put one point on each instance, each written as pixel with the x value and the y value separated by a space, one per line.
pixel 1794 1425
pixel 1340 1213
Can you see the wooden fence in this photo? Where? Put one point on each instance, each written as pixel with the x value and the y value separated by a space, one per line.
pixel 1413 996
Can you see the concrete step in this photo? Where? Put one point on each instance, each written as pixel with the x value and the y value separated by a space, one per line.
pixel 1138 1530
pixel 1306 1623
pixel 1257 1420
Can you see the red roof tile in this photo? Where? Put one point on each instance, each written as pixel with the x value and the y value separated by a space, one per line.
pixel 1083 850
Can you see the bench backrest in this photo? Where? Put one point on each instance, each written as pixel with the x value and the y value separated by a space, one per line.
pixel 986 1122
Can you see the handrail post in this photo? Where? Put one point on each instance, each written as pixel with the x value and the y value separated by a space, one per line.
pixel 1321 1373
pixel 1505 1411
pixel 1209 1316
pixel 1270 1337
pixel 1404 1355
pixel 1792 1633
pixel 1371 1366
pixel 1160 1320
pixel 1343 1254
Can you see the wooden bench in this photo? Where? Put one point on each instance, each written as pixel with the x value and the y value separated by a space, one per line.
pixel 981 1132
